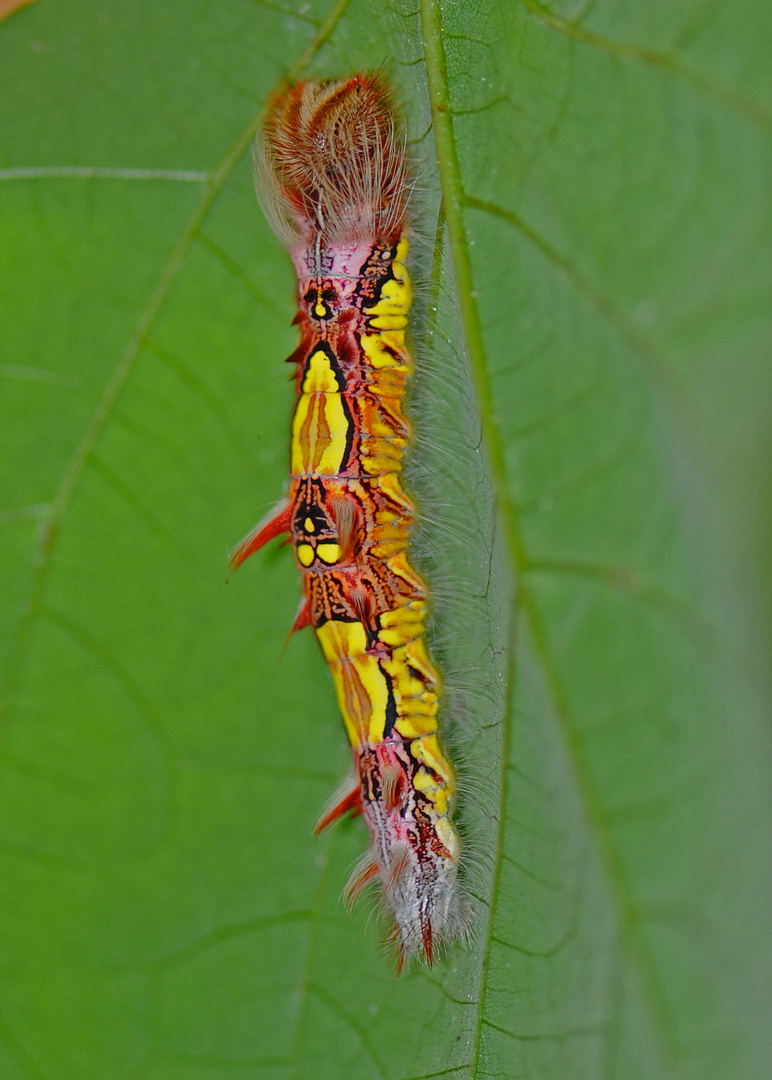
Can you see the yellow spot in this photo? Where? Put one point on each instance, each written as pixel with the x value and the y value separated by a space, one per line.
pixel 415 655
pixel 440 799
pixel 390 313
pixel 396 295
pixel 319 377
pixel 388 322
pixel 402 568
pixel 379 357
pixel 426 750
pixel 410 612
pixel 319 309
pixel 305 554
pixel 329 553
pixel 438 793
pixel 402 625
pixel 449 837
pixel 416 727
pixel 424 781
pixel 374 466
pixel 406 685
pixel 391 486
pixel 308 525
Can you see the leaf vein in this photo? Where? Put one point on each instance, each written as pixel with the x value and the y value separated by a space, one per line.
pixel 746 107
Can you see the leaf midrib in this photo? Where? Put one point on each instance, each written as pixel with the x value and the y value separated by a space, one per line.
pixel 617 889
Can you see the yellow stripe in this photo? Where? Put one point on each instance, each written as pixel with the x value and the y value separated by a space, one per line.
pixel 319 435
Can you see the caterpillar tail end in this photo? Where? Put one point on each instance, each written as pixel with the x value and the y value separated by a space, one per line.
pixel 418 850
pixel 426 902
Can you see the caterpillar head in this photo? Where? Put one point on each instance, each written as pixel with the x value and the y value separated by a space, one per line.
pixel 330 163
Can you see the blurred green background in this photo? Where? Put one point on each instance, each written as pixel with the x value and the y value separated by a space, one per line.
pixel 593 414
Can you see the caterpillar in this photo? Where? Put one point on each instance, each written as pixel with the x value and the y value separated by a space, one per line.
pixel 333 183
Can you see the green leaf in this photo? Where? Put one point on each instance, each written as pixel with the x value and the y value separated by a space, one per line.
pixel 593 417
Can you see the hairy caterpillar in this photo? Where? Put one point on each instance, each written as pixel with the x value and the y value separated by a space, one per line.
pixel 334 186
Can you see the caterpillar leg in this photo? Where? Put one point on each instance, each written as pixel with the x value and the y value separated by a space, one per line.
pixel 276 522
pixel 346 800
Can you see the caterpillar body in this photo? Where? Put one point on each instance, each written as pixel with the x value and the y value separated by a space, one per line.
pixel 333 182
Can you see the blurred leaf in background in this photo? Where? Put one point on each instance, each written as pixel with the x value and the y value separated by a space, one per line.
pixel 593 412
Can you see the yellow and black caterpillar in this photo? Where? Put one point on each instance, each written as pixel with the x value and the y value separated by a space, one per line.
pixel 333 176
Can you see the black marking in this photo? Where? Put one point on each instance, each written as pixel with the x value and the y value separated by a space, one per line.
pixel 370 774
pixel 350 430
pixel 326 295
pixel 311 504
pixel 391 704
pixel 375 271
